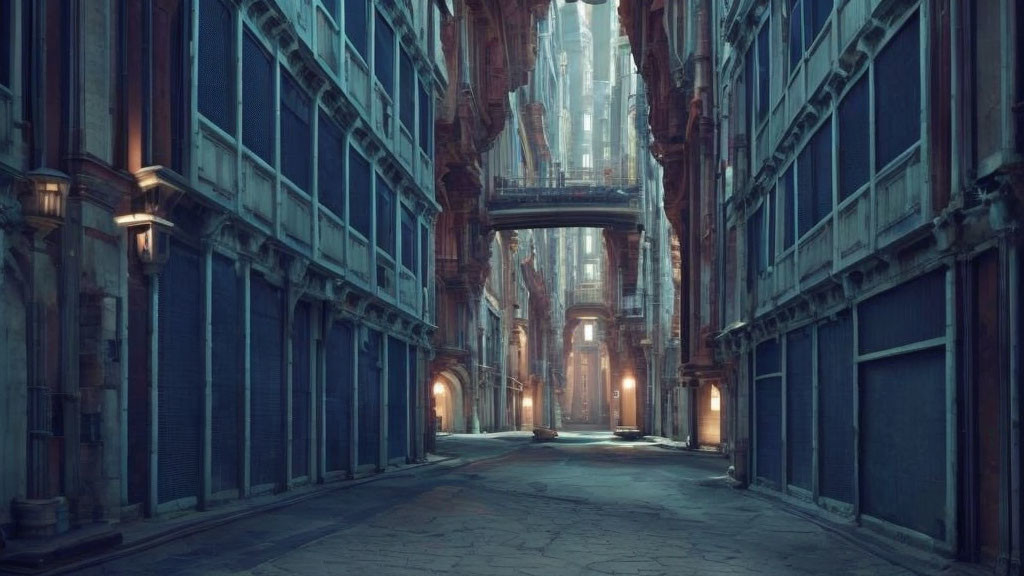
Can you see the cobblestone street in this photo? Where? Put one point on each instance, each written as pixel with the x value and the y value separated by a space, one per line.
pixel 586 504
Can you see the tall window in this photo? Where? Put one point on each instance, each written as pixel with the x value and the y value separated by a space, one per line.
pixel 216 89
pixel 385 217
pixel 806 20
pixel 854 139
pixel 814 168
pixel 588 332
pixel 588 243
pixel 257 99
pixel 407 95
pixel 424 252
pixel 898 94
pixel 586 122
pixel 6 44
pixel 357 25
pixel 769 229
pixel 296 140
pixel 408 239
pixel 331 166
pixel 426 121
pixel 359 186
pixel 989 58
pixel 332 7
pixel 787 207
pixel 796 33
pixel 586 161
pixel 589 272
pixel 763 74
pixel 384 55
pixel 756 262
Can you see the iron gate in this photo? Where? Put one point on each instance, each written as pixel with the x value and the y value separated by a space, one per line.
pixel 181 377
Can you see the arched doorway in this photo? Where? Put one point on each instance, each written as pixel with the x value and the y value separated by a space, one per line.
pixel 449 401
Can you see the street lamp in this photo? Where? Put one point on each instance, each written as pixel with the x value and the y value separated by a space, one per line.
pixel 44 203
pixel 152 238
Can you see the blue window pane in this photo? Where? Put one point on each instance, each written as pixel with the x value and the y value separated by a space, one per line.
pixel 385 217
pixel 822 144
pixel 816 13
pixel 424 247
pixel 854 140
pixel 796 41
pixel 407 83
pixel 296 139
pixel 898 94
pixel 331 166
pixel 216 87
pixel 7 33
pixel 384 56
pixel 359 189
pixel 408 239
pixel 755 236
pixel 763 73
pixel 788 215
pixel 357 26
pixel 332 8
pixel 258 99
pixel 426 121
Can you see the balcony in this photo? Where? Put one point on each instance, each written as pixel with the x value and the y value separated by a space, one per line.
pixel 586 301
pixel 583 199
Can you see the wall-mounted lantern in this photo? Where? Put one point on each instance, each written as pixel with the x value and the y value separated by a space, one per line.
pixel 527 402
pixel 151 236
pixel 44 204
pixel 628 383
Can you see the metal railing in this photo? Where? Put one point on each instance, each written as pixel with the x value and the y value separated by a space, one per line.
pixel 584 295
pixel 632 305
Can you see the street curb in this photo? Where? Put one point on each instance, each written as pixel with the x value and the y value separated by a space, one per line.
pixel 205 524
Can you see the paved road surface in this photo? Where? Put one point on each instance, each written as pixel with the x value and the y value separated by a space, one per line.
pixel 587 504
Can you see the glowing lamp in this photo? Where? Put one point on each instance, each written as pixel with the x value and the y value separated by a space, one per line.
pixel 44 203
pixel 628 383
pixel 527 402
pixel 438 388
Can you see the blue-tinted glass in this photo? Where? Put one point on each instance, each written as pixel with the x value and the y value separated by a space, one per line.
pixel 407 83
pixel 408 239
pixel 796 42
pixel 424 247
pixel 7 33
pixel 788 214
pixel 898 94
pixel 911 312
pixel 426 121
pixel 763 73
pixel 770 230
pixel 816 13
pixel 359 188
pixel 332 8
pixel 215 90
pixel 804 191
pixel 331 166
pixel 754 236
pixel 257 99
pixel 296 137
pixel 854 139
pixel 384 55
pixel 385 217
pixel 357 26
pixel 822 144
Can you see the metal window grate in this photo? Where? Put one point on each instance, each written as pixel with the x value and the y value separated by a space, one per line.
pixel 226 330
pixel 216 87
pixel 296 138
pixel 301 401
pixel 266 398
pixel 898 94
pixel 331 166
pixel 360 186
pixel 257 99
pixel 181 377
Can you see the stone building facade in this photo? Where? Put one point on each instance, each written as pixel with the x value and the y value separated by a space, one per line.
pixel 216 253
pixel 849 197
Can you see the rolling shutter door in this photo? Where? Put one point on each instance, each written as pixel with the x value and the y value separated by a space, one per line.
pixel 835 406
pixel 799 406
pixel 300 390
pixel 398 403
pixel 181 377
pixel 227 373
pixel 266 399
pixel 768 413
pixel 338 393
pixel 369 398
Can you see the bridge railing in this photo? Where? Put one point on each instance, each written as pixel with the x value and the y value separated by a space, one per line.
pixel 587 187
pixel 584 296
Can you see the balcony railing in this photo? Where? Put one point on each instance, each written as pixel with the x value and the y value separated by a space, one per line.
pixel 632 305
pixel 584 296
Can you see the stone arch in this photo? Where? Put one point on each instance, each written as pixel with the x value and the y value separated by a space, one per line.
pixel 451 401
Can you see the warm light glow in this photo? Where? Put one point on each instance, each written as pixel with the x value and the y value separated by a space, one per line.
pixel 438 388
pixel 716 399
pixel 628 383
pixel 527 402
pixel 588 332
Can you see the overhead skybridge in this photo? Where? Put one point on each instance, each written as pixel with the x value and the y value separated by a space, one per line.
pixel 567 201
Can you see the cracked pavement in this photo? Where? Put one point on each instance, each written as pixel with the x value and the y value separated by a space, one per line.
pixel 586 504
